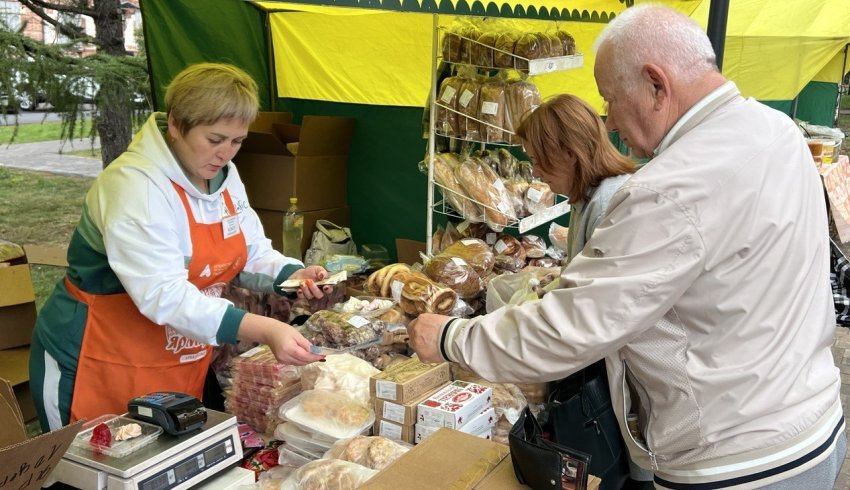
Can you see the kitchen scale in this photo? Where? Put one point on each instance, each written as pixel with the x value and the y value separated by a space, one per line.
pixel 169 462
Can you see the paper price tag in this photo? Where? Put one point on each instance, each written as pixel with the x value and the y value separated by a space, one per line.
pixel 393 412
pixel 465 97
pixel 534 194
pixel 448 94
pixel 499 184
pixel 490 108
pixel 358 321
pixel 490 238
pixel 459 261
pixel 385 390
pixel 500 247
pixel 395 289
pixel 469 241
pixel 390 430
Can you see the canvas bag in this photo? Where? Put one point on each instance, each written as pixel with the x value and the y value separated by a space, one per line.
pixel 329 239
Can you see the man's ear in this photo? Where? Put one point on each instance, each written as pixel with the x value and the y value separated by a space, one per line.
pixel 656 77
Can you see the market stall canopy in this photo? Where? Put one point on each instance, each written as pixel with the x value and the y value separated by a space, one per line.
pixel 773 49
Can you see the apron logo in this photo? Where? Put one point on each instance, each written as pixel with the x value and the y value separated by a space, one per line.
pixel 206 272
pixel 176 342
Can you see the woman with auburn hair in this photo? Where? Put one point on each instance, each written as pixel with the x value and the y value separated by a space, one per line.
pixel 568 144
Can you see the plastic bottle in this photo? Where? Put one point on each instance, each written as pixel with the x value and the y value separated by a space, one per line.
pixel 293 230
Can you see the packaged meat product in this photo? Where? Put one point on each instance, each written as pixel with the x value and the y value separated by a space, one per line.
pixel 329 413
pixel 325 474
pixel 539 197
pixel 483 184
pixel 567 42
pixel 475 252
pixel 455 273
pixel 444 174
pixel 344 329
pixel 468 106
pixel 422 295
pixel 372 452
pixel 492 111
pixel 534 246
pixel 482 51
pixel 446 120
pixel 522 98
pixel 503 56
pixel 528 47
pixel 98 436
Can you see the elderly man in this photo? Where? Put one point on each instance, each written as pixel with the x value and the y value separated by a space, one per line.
pixel 705 287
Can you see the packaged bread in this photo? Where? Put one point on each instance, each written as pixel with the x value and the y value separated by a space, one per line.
pixel 482 51
pixel 469 37
pixel 467 106
pixel 450 236
pixel 517 189
pixel 451 46
pixel 492 111
pixel 545 45
pixel 380 282
pixel 324 474
pixel 422 295
pixel 556 47
pixel 475 252
pixel 436 238
pixel 469 229
pixel 329 413
pixel 528 47
pixel 455 273
pixel 444 174
pixel 503 49
pixel 490 157
pixel 525 170
pixel 534 246
pixel 375 452
pixel 483 185
pixel 509 245
pixel 507 166
pixel 567 41
pixel 538 197
pixel 522 98
pixel 335 329
pixel 446 119
pixel 545 262
pixel 507 263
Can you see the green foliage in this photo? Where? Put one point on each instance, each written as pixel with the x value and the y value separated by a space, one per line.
pixel 31 133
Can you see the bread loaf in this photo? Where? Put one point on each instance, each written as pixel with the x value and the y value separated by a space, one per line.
pixel 492 111
pixel 517 189
pixel 422 295
pixel 534 246
pixel 483 185
pixel 556 47
pixel 451 47
pixel 444 174
pixel 510 246
pixel 475 252
pixel 446 119
pixel 482 51
pixel 504 48
pixel 545 45
pixel 522 98
pixel 527 47
pixel 567 42
pixel 455 273
pixel 469 35
pixel 539 197
pixel 468 105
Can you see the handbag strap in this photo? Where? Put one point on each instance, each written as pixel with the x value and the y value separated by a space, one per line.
pixel 333 231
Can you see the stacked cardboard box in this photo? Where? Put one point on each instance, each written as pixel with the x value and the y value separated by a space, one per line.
pixel 17 319
pixel 398 390
pixel 461 405
pixel 309 161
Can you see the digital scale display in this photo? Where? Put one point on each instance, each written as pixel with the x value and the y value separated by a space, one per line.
pixel 189 467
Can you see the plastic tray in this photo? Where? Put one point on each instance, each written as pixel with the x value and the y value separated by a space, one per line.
pixel 367 314
pixel 118 449
pixel 295 436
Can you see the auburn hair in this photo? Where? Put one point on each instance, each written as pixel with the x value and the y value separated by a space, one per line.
pixel 567 123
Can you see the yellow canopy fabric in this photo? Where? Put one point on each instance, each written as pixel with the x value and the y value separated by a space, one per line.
pixel 382 57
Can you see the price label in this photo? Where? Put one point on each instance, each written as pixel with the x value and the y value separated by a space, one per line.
pixel 448 94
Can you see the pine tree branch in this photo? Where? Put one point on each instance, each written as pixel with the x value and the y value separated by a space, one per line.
pixel 75 33
pixel 74 9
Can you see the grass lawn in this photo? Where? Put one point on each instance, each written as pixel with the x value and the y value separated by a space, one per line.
pixel 40 209
pixel 32 133
pixel 89 152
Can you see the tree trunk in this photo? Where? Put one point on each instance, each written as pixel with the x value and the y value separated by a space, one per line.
pixel 115 107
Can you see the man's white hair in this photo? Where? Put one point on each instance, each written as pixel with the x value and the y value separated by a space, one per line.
pixel 650 33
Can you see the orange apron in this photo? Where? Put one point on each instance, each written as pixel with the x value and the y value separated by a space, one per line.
pixel 125 355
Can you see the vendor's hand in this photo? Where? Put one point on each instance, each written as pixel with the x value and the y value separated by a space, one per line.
pixel 310 274
pixel 290 347
pixel 425 336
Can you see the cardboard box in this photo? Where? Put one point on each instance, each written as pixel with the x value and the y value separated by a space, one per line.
pixel 408 250
pixel 17 305
pixel 455 405
pixel 408 380
pixel 317 175
pixel 401 413
pixel 480 426
pixel 447 459
pixel 392 430
pixel 14 368
pixel 27 464
pixel 503 478
pixel 273 224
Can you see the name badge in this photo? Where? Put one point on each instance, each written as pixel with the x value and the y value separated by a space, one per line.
pixel 230 226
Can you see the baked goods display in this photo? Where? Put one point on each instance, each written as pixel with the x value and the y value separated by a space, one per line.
pixel 492 46
pixel 422 295
pixel 475 252
pixel 455 273
pixel 485 186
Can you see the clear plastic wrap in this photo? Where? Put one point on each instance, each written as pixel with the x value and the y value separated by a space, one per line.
pixel 422 295
pixel 340 372
pixel 493 111
pixel 368 306
pixel 538 197
pixel 534 246
pixel 444 174
pixel 451 235
pixel 482 50
pixel 559 236
pixel 530 47
pixel 567 41
pixel 381 282
pixel 333 329
pixel 522 98
pixel 455 273
pixel 259 366
pixel 517 189
pixel 510 246
pixel 328 474
pixel 446 122
pixel 475 252
pixel 291 434
pixel 468 105
pixel 333 415
pixel 484 185
pixel 504 47
pixel 436 238
pixel 375 452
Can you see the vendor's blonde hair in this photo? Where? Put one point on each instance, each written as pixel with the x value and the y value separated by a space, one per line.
pixel 566 122
pixel 206 93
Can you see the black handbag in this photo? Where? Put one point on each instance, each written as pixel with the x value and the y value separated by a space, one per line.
pixel 543 464
pixel 579 415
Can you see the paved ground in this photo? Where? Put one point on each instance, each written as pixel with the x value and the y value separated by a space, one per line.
pixel 46 157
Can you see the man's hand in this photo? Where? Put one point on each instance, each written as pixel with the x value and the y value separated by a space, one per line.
pixel 311 274
pixel 425 336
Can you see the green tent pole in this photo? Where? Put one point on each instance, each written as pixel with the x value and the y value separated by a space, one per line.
pixel 718 13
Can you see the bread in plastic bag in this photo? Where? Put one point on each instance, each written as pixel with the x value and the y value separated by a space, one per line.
pixel 446 120
pixel 475 252
pixel 329 413
pixel 343 373
pixel 534 246
pixel 422 295
pixel 454 193
pixel 334 329
pixel 328 474
pixel 455 273
pixel 484 185
pixel 375 452
pixel 538 197
pixel 468 106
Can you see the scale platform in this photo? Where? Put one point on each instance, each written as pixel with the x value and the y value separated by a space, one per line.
pixel 168 463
